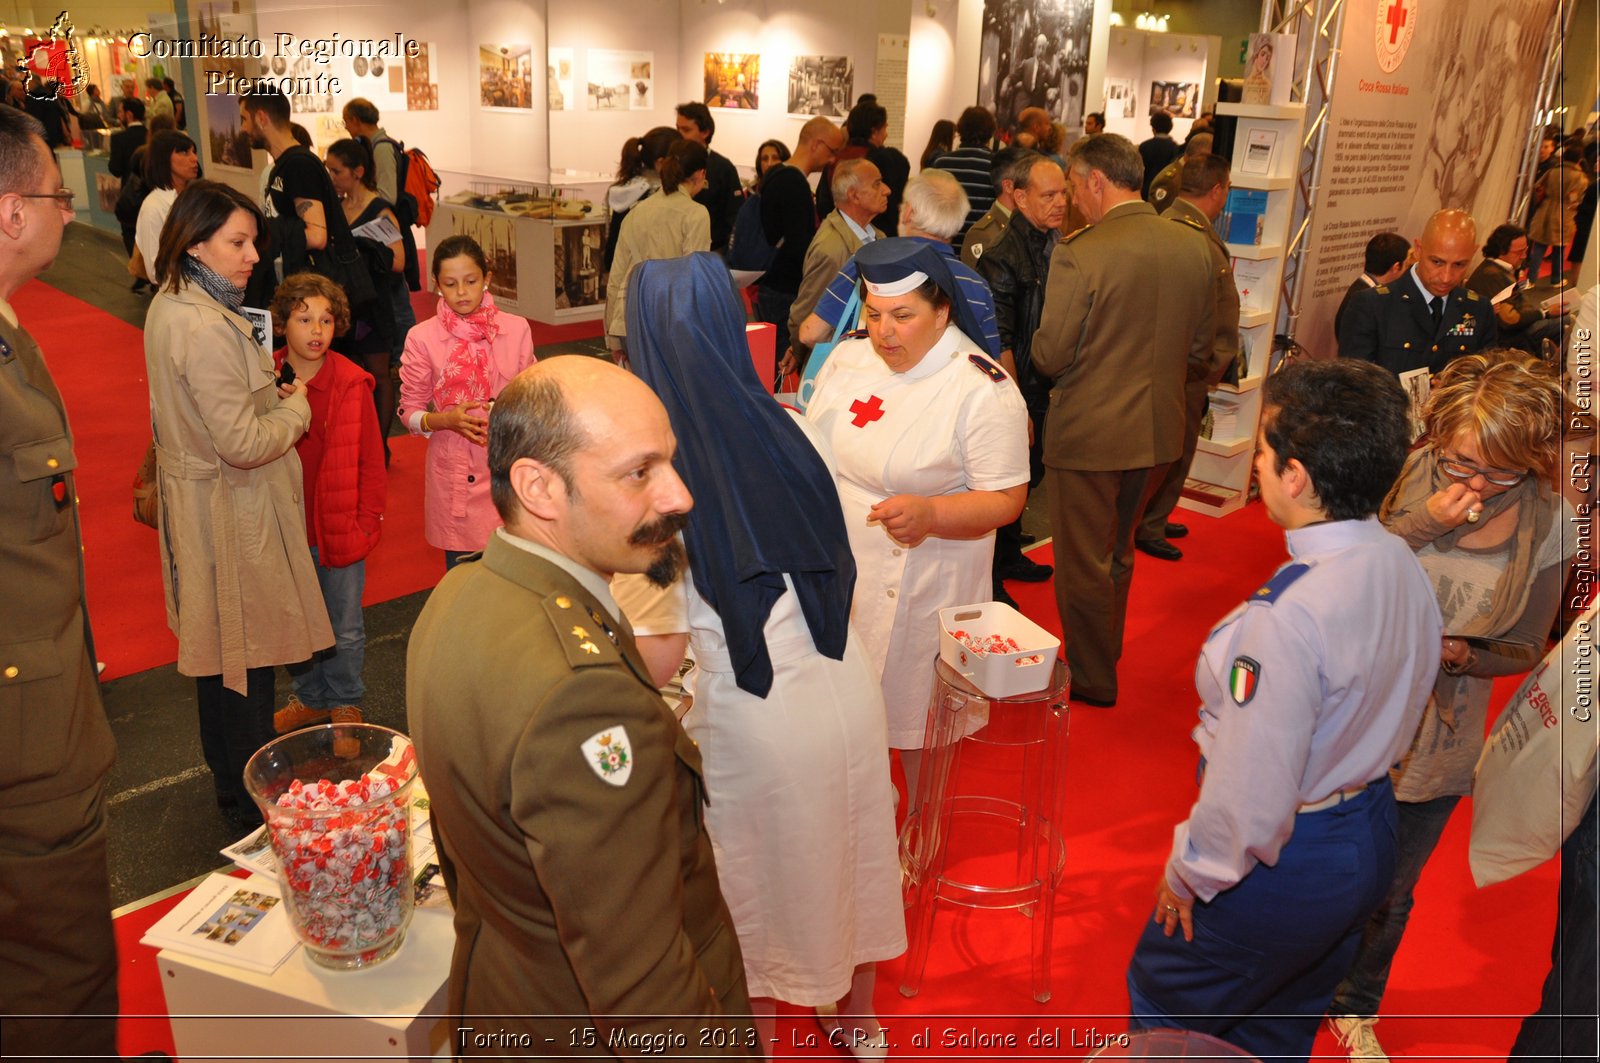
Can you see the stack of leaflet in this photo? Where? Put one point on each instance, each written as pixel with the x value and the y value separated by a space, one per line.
pixel 229 920
pixel 1224 417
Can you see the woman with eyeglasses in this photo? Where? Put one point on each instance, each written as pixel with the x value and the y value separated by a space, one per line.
pixel 1478 504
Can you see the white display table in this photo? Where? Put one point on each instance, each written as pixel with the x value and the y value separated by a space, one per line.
pixel 303 1011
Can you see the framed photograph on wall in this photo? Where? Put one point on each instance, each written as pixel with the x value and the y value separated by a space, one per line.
pixel 733 80
pixel 559 78
pixel 228 144
pixel 421 93
pixel 621 81
pixel 1180 99
pixel 821 84
pixel 505 77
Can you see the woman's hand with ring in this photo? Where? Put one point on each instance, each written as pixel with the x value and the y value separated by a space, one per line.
pixel 1173 911
pixel 1456 505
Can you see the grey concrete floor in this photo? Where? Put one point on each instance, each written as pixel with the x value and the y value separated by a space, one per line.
pixel 164 825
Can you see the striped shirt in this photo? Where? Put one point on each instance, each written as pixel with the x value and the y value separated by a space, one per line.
pixel 970 166
pixel 973 288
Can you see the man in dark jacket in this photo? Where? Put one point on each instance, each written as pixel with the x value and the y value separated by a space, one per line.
pixel 720 196
pixel 1016 268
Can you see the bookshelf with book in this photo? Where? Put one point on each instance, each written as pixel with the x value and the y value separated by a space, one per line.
pixel 1255 225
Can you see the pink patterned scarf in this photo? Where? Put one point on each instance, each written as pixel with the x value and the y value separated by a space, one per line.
pixel 467 375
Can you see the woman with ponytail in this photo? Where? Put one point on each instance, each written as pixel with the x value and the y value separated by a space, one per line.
pixel 669 225
pixel 637 178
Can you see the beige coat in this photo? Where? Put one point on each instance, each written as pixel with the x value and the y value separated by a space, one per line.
pixel 665 225
pixel 1553 222
pixel 240 584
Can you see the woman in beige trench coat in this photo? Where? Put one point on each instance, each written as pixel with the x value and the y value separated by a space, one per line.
pixel 241 588
pixel 1556 216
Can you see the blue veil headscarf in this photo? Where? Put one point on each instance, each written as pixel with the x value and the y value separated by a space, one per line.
pixel 764 501
pixel 895 258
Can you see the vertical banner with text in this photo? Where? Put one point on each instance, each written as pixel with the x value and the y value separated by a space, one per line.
pixel 1428 110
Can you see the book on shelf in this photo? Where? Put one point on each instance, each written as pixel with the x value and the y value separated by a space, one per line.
pixel 1257 157
pixel 1246 211
pixel 1254 278
pixel 1225 420
pixel 1269 68
pixel 236 921
pixel 1208 493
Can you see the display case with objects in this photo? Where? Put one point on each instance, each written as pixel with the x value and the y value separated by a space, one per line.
pixel 545 247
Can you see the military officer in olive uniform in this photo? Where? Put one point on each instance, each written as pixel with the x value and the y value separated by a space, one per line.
pixel 1118 350
pixel 1202 194
pixel 566 797
pixel 57 953
pixel 1426 318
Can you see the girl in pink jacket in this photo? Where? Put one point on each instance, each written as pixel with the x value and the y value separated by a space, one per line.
pixel 454 365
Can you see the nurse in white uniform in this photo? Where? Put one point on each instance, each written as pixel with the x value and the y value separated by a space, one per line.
pixel 931 442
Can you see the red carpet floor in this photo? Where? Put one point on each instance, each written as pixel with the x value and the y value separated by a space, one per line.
pixel 1470 967
pixel 1472 961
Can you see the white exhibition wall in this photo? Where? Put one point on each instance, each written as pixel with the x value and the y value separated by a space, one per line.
pixel 1143 58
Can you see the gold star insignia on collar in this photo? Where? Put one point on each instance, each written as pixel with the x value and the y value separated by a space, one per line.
pixel 589 647
pixel 580 632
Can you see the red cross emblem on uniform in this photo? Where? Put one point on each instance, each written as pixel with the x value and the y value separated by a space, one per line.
pixel 866 412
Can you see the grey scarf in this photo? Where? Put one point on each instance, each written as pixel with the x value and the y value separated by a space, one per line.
pixel 212 283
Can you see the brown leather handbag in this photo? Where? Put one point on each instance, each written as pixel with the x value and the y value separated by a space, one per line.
pixel 146 499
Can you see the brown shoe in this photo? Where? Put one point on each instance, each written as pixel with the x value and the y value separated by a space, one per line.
pixel 348 747
pixel 295 715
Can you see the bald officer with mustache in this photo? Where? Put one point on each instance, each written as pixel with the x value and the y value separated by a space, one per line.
pixel 567 800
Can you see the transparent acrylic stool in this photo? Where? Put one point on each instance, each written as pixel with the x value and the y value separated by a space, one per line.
pixel 1033 729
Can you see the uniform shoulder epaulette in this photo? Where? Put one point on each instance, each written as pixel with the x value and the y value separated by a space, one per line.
pixel 1473 297
pixel 988 368
pixel 1074 234
pixel 1190 222
pixel 585 635
pixel 1381 289
pixel 1280 582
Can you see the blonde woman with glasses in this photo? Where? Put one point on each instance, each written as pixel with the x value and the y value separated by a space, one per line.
pixel 1479 505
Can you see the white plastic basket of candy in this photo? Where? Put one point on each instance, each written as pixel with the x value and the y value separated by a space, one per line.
pixel 997 649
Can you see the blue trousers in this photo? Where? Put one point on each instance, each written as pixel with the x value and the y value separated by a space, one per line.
pixel 333 677
pixel 1267 953
pixel 1564 1025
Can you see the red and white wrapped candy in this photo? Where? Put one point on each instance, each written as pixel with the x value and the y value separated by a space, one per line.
pixel 987 644
pixel 343 853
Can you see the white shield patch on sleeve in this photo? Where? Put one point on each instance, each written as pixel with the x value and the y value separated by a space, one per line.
pixel 610 755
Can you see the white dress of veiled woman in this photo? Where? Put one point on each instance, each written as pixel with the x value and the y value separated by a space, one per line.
pixel 801 806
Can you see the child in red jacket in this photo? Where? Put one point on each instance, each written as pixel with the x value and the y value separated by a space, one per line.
pixel 345 491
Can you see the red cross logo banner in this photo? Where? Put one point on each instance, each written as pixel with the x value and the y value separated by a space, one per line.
pixel 866 412
pixel 1393 33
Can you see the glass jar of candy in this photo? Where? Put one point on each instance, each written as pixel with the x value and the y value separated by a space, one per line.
pixel 337 804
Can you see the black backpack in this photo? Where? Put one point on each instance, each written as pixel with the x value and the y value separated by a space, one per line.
pixel 131 198
pixel 748 248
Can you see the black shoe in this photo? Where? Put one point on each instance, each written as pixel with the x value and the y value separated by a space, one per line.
pixel 1159 548
pixel 1025 539
pixel 139 285
pixel 1176 531
pixel 1099 703
pixel 1001 596
pixel 1024 571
